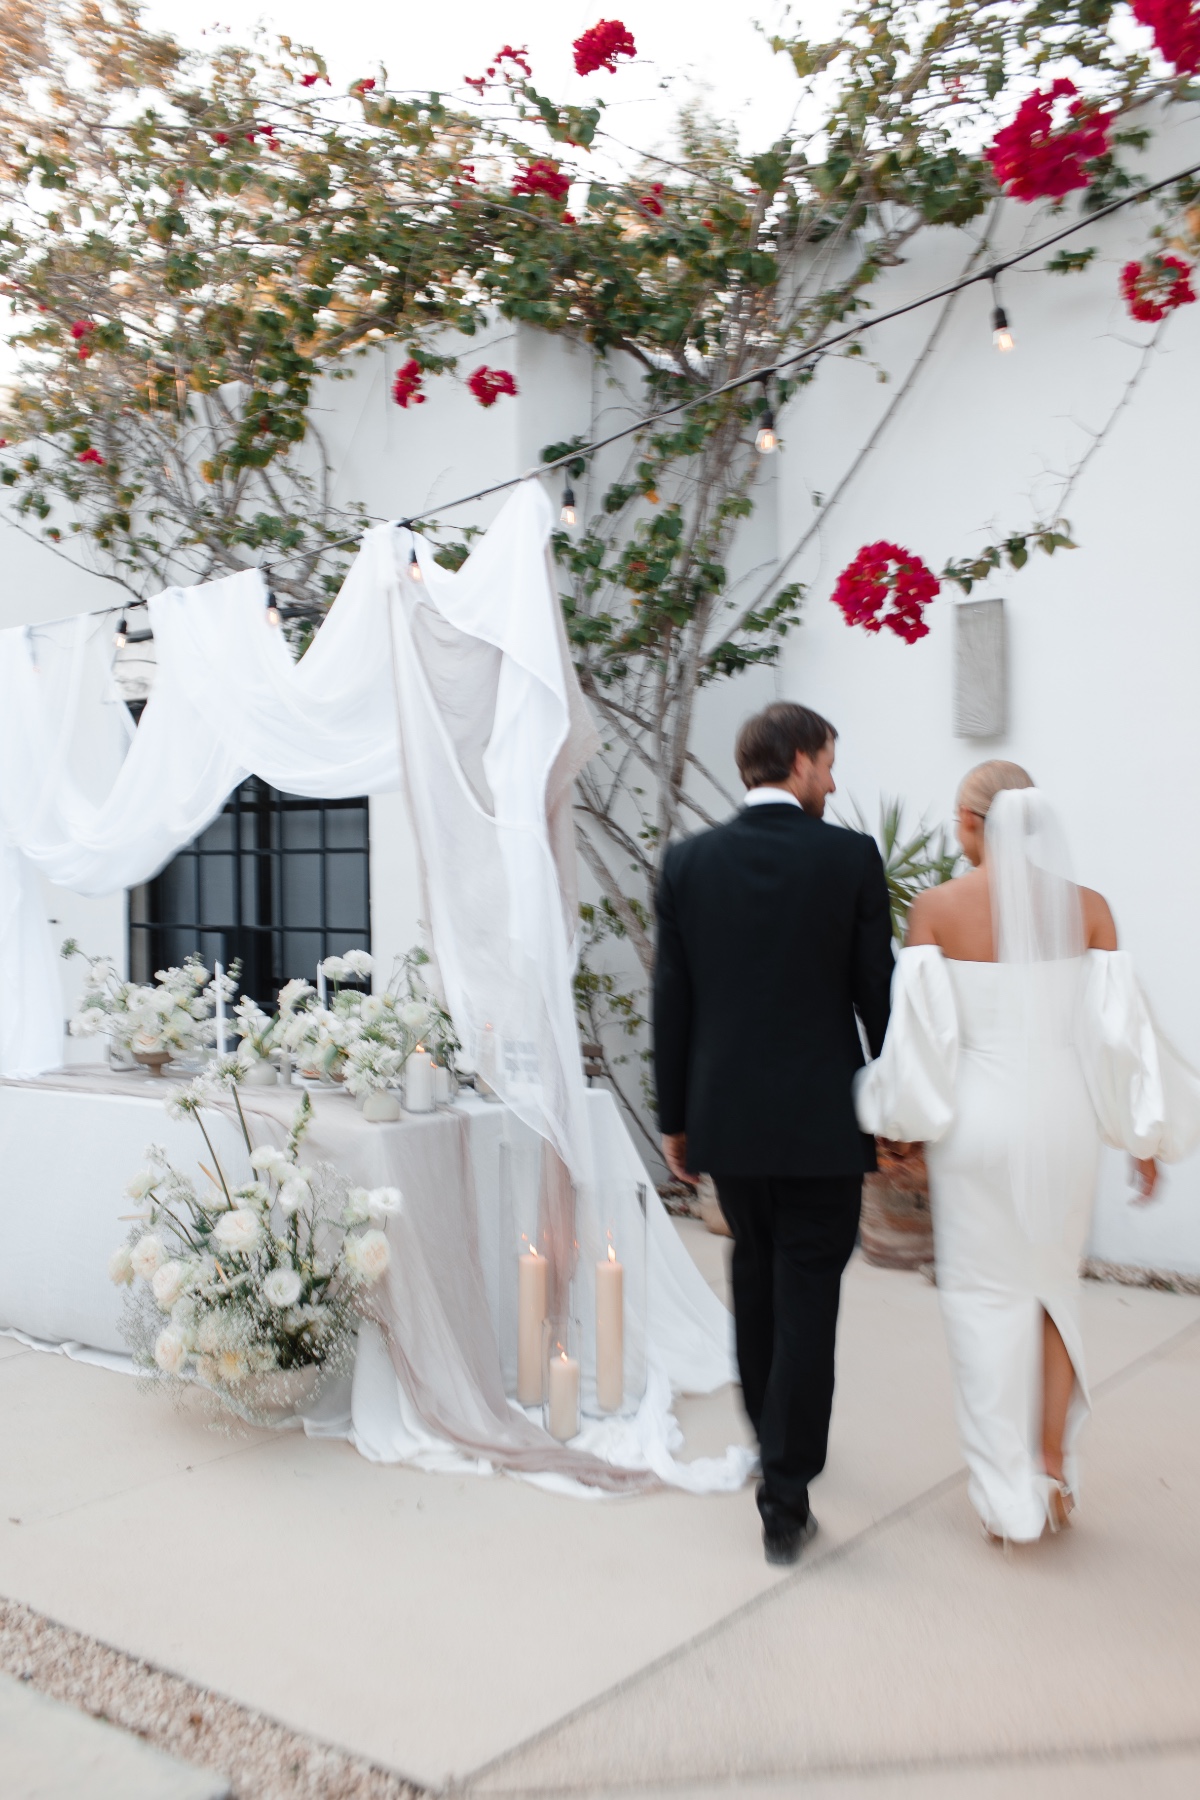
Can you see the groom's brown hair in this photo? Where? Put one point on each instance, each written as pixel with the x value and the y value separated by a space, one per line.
pixel 767 744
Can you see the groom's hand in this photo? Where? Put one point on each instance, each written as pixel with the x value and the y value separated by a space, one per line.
pixel 675 1156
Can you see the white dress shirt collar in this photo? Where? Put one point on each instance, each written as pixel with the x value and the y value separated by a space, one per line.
pixel 771 796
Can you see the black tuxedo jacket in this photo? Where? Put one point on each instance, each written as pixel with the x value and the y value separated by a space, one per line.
pixel 773 932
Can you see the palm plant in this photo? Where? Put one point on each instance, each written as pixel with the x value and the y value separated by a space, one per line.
pixel 911 861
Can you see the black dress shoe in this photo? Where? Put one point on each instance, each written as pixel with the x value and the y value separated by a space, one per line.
pixel 783 1548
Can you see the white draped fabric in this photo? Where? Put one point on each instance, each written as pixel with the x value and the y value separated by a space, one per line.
pixel 1007 1248
pixel 458 687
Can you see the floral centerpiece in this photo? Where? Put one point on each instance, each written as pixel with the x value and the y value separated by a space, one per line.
pixel 172 1018
pixel 259 1033
pixel 361 1038
pixel 251 1291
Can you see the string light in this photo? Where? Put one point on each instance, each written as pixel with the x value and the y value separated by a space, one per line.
pixel 121 635
pixel 273 613
pixel 767 440
pixel 1002 337
pixel 567 515
pixel 414 566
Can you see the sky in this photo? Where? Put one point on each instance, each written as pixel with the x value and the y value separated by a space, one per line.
pixel 688 44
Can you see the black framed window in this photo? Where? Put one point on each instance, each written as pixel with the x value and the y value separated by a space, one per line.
pixel 277 880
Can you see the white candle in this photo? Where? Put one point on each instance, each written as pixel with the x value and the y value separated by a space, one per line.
pixel 321 988
pixel 443 1087
pixel 418 1082
pixel 218 983
pixel 564 1396
pixel 285 1068
pixel 531 1311
pixel 610 1333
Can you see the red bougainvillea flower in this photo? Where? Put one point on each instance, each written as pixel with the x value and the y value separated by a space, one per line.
pixel 90 456
pixel 600 47
pixel 652 202
pixel 487 385
pixel 542 178
pixel 569 219
pixel 887 585
pixel 1033 160
pixel 1155 287
pixel 1176 28
pixel 311 80
pixel 364 86
pixel 81 327
pixel 220 137
pixel 406 389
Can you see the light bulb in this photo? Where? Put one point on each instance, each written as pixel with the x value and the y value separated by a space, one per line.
pixel 567 515
pixel 273 613
pixel 414 567
pixel 1002 337
pixel 767 440
pixel 121 636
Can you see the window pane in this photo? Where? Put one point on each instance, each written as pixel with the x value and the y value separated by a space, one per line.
pixel 341 941
pixel 250 875
pixel 346 891
pixel 219 835
pixel 302 830
pixel 302 951
pixel 301 889
pixel 217 903
pixel 178 890
pixel 346 828
pixel 213 948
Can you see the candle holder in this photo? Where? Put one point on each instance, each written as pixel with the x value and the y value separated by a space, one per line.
pixel 519 1299
pixel 562 1414
pixel 613 1273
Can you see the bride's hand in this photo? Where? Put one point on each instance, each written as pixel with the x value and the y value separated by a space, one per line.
pixel 1146 1170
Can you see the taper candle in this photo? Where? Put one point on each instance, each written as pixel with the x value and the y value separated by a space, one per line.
pixel 563 1396
pixel 219 985
pixel 531 1311
pixel 610 1333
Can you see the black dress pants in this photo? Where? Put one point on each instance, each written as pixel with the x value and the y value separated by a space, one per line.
pixel 792 1238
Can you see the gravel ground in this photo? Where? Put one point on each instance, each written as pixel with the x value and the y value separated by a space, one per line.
pixel 261 1759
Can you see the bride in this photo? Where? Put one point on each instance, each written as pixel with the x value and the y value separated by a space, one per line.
pixel 1018 1040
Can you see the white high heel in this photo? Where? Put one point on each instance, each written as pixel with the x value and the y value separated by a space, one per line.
pixel 1060 1504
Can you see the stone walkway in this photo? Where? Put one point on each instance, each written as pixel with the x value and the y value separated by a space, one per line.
pixel 483 1633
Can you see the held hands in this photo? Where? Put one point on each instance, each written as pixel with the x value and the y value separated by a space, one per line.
pixel 1146 1179
pixel 675 1157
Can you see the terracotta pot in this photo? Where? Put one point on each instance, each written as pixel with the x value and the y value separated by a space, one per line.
pixel 896 1227
pixel 154 1060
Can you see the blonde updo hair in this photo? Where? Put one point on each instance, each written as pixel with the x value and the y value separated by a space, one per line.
pixel 980 785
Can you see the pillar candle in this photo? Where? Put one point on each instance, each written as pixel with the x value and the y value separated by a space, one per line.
pixel 610 1333
pixel 443 1087
pixel 418 1082
pixel 531 1311
pixel 219 984
pixel 564 1396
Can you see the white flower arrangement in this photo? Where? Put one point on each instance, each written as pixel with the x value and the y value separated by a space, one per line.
pixel 359 1038
pixel 242 1288
pixel 173 1017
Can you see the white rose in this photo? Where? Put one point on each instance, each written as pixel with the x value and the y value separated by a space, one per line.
pixel 169 1352
pixel 294 1195
pixel 254 1194
pixel 414 1016
pixel 147 1042
pixel 266 1160
pixel 384 1203
pixel 368 1256
pixel 146 1256
pixel 141 1184
pixel 120 1267
pixel 282 1287
pixel 372 1010
pixel 238 1230
pixel 167 1284
pixel 335 968
pixel 358 1207
pixel 359 962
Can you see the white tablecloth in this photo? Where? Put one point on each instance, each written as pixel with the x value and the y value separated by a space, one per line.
pixel 431 1380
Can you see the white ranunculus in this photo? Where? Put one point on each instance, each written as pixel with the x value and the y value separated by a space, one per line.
pixel 358 1207
pixel 414 1015
pixel 167 1283
pixel 359 962
pixel 384 1203
pixel 372 1009
pixel 141 1184
pixel 254 1194
pixel 294 1194
pixel 335 968
pixel 282 1287
pixel 120 1267
pixel 238 1230
pixel 145 1043
pixel 169 1352
pixel 368 1256
pixel 147 1255
pixel 266 1160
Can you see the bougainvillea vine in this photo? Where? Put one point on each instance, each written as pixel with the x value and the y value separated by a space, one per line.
pixel 1176 28
pixel 487 385
pixel 1035 160
pixel 887 585
pixel 600 47
pixel 541 177
pixel 1156 286
pixel 406 389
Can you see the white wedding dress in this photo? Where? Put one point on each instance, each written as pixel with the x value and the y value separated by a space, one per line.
pixel 1011 1073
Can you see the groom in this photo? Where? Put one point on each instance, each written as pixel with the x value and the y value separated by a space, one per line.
pixel 774 941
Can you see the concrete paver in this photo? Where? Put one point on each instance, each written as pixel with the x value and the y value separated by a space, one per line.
pixel 49 1751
